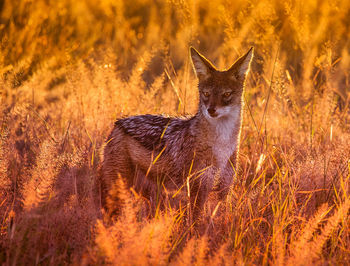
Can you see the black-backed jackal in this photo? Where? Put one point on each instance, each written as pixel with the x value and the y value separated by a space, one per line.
pixel 196 154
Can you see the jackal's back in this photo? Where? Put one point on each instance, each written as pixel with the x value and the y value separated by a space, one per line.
pixel 154 131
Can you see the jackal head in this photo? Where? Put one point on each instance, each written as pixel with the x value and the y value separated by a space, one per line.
pixel 220 92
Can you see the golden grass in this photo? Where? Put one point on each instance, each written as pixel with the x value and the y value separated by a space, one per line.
pixel 69 69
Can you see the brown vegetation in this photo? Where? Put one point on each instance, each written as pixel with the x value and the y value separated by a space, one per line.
pixel 69 69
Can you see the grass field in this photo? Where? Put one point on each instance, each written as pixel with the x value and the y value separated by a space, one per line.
pixel 69 68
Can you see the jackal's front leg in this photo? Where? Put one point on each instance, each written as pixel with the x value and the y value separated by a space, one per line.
pixel 200 187
pixel 227 177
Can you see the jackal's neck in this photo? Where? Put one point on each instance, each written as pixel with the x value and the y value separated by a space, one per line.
pixel 219 138
pixel 223 129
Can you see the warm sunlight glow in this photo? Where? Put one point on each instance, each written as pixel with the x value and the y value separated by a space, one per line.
pixel 70 69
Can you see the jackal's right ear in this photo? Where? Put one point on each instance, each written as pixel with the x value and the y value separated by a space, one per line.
pixel 241 67
pixel 202 67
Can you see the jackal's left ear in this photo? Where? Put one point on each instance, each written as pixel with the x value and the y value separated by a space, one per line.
pixel 201 65
pixel 241 67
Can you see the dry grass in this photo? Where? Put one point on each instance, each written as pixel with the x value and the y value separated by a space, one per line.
pixel 69 69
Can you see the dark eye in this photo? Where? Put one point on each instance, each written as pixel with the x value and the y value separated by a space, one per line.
pixel 206 94
pixel 227 94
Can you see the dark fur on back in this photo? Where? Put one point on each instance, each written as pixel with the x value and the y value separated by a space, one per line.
pixel 152 131
pixel 146 129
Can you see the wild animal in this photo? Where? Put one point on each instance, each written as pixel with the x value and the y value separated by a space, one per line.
pixel 155 153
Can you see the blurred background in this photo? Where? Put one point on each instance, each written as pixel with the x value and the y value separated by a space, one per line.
pixel 311 36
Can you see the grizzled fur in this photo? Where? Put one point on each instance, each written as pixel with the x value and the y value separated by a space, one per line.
pixel 203 147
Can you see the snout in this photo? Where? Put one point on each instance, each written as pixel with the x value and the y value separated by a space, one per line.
pixel 212 112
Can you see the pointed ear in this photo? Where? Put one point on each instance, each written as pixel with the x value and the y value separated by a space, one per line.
pixel 202 67
pixel 241 67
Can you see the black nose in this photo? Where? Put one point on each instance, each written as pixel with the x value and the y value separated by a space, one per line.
pixel 212 111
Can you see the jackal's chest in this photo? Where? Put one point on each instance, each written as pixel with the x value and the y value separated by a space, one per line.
pixel 222 152
pixel 224 144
